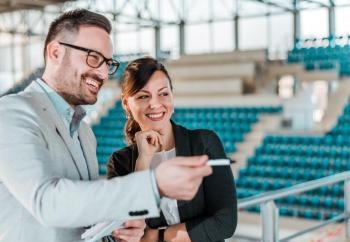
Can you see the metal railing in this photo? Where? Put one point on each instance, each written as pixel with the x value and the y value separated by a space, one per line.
pixel 269 210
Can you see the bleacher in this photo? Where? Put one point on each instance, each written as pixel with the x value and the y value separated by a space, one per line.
pixel 283 161
pixel 315 55
pixel 22 84
pixel 230 123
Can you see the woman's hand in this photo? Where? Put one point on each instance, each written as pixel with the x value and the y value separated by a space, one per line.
pixel 148 143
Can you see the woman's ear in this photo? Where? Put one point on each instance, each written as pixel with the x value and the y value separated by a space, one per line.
pixel 125 104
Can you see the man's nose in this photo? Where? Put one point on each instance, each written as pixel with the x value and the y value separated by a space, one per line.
pixel 103 71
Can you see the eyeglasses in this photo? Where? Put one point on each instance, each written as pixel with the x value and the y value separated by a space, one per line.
pixel 95 59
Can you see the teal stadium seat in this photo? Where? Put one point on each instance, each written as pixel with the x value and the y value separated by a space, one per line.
pixel 230 123
pixel 283 161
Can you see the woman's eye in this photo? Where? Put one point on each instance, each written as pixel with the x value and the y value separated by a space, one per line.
pixel 164 94
pixel 142 97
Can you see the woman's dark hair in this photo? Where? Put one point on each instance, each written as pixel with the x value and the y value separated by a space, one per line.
pixel 71 21
pixel 135 77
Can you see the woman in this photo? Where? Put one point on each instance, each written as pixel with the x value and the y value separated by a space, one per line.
pixel 147 99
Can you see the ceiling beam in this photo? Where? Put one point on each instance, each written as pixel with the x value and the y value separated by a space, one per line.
pixel 14 5
pixel 273 4
pixel 317 2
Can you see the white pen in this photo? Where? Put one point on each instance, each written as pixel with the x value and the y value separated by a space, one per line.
pixel 218 162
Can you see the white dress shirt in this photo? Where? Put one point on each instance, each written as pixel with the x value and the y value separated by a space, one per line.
pixel 167 205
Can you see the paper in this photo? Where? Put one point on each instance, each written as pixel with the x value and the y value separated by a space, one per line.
pixel 100 230
pixel 219 162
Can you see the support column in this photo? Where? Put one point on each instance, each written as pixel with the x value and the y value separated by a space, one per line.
pixel 269 221
pixel 182 45
pixel 236 31
pixel 347 207
pixel 331 25
pixel 296 22
pixel 157 41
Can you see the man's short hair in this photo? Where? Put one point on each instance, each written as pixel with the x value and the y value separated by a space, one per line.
pixel 71 21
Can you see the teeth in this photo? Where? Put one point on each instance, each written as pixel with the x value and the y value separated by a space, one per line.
pixel 156 115
pixel 92 83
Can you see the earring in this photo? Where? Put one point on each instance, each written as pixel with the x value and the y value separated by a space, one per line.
pixel 127 115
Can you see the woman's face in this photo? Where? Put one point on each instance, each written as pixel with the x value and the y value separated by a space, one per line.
pixel 153 105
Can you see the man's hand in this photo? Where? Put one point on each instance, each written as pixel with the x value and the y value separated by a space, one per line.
pixel 131 232
pixel 180 177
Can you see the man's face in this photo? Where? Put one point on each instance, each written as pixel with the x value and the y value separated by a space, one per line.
pixel 76 81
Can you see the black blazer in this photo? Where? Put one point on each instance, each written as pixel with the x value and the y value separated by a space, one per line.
pixel 212 214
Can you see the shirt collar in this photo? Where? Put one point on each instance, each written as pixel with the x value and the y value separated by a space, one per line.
pixel 73 116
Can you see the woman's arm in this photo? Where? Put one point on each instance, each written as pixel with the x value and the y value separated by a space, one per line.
pixel 177 233
pixel 120 163
pixel 173 233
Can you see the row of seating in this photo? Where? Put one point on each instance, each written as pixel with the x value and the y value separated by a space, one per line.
pixel 307 151
pixel 233 119
pixel 327 140
pixel 284 161
pixel 322 58
pixel 338 165
pixel 331 41
pixel 304 200
pixel 230 110
pixel 306 213
pixel 297 174
pixel 230 123
pixel 263 184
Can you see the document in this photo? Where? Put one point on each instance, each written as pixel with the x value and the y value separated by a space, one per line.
pixel 98 231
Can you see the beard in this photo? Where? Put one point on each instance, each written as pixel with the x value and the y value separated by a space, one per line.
pixel 71 85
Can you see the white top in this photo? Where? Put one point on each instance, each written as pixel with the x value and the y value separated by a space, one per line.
pixel 167 205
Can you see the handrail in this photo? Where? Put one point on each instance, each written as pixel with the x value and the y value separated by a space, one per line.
pixel 299 188
pixel 269 211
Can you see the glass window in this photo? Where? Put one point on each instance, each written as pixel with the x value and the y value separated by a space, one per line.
pixel 170 39
pixel 253 33
pixel 342 26
pixel 223 36
pixel 314 23
pixel 197 38
pixel 280 35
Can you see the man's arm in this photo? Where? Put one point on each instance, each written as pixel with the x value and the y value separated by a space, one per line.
pixel 30 175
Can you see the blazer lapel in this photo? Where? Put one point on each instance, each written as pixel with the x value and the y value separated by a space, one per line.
pixel 183 148
pixel 50 113
pixel 89 151
pixel 183 145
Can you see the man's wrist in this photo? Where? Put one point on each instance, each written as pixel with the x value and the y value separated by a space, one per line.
pixel 155 187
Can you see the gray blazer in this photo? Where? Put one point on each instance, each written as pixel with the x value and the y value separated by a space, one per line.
pixel 46 192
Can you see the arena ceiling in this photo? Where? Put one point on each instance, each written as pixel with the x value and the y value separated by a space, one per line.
pixel 29 17
pixel 284 5
pixel 14 5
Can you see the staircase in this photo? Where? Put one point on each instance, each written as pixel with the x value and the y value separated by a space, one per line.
pixel 253 139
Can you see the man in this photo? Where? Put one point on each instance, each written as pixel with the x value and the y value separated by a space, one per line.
pixel 48 169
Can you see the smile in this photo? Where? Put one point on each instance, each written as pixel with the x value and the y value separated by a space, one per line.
pixel 155 116
pixel 94 85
